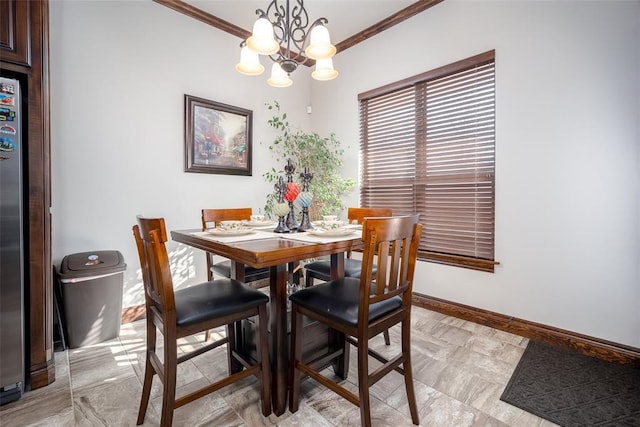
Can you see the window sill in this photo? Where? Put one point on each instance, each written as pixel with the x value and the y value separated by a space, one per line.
pixel 459 261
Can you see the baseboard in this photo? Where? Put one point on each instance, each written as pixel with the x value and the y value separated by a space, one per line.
pixel 131 314
pixel 42 375
pixel 591 346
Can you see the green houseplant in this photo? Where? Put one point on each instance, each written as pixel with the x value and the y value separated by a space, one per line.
pixel 321 155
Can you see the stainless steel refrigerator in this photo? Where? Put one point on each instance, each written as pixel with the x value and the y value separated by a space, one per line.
pixel 11 244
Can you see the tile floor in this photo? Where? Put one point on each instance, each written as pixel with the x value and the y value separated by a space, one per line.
pixel 460 369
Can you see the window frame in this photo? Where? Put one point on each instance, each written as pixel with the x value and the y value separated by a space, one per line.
pixel 415 86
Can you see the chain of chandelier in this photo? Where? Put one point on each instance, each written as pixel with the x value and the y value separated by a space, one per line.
pixel 281 33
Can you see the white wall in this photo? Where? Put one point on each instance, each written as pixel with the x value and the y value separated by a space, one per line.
pixel 119 72
pixel 567 73
pixel 567 152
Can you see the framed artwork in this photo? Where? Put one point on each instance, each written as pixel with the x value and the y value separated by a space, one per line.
pixel 217 137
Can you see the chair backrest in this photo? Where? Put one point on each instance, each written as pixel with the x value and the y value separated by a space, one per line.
pixel 359 214
pixel 150 235
pixel 391 244
pixel 212 217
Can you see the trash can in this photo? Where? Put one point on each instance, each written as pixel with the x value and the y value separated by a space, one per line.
pixel 91 284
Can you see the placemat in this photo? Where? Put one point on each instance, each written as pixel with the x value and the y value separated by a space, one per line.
pixel 256 235
pixel 310 238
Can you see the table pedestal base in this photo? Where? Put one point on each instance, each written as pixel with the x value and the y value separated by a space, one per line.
pixel 318 339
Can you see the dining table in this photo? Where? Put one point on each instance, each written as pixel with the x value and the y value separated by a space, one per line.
pixel 260 248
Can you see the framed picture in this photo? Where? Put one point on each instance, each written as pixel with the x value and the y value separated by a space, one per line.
pixel 217 137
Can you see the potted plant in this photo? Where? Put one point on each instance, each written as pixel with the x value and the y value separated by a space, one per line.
pixel 321 155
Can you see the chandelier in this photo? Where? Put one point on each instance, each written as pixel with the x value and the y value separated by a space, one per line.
pixel 281 33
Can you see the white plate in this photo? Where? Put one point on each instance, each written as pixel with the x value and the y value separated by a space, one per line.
pixel 230 232
pixel 337 232
pixel 261 223
pixel 330 224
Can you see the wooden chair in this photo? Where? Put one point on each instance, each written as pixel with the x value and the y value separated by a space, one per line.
pixel 362 308
pixel 195 309
pixel 256 277
pixel 321 269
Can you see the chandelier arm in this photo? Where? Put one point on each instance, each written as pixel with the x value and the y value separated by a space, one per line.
pixel 291 31
pixel 305 60
pixel 298 20
pixel 297 58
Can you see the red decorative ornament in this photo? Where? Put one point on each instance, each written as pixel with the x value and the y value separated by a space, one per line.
pixel 292 192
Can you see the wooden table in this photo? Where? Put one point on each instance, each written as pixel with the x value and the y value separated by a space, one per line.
pixel 276 252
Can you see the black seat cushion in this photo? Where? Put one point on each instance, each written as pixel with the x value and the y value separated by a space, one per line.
pixel 215 299
pixel 322 269
pixel 338 300
pixel 251 274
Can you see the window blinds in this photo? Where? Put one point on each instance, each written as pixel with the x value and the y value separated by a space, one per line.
pixel 429 147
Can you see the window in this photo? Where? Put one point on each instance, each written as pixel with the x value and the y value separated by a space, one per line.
pixel 427 145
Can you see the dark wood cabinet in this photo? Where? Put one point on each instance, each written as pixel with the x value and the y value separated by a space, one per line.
pixel 15 32
pixel 24 55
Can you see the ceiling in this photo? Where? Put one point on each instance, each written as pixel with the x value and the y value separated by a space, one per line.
pixel 350 21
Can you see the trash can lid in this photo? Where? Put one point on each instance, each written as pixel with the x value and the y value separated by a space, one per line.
pixel 92 263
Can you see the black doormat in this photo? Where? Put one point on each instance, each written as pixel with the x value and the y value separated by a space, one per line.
pixel 571 389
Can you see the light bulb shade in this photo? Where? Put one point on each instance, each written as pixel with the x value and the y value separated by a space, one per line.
pixel 278 77
pixel 249 63
pixel 261 40
pixel 320 46
pixel 324 70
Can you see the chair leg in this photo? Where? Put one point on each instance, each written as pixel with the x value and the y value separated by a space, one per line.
pixel 146 390
pixel 169 386
pixel 148 372
pixel 233 329
pixel 296 354
pixel 408 371
pixel 308 280
pixel 209 256
pixel 262 353
pixel 385 334
pixel 363 382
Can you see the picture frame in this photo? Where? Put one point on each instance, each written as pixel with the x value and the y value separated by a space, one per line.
pixel 217 137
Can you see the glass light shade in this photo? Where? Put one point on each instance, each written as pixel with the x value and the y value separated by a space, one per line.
pixel 320 46
pixel 249 63
pixel 278 77
pixel 324 70
pixel 261 40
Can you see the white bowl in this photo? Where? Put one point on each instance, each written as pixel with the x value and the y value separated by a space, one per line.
pixel 230 225
pixel 332 225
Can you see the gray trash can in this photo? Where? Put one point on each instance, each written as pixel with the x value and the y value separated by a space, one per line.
pixel 91 285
